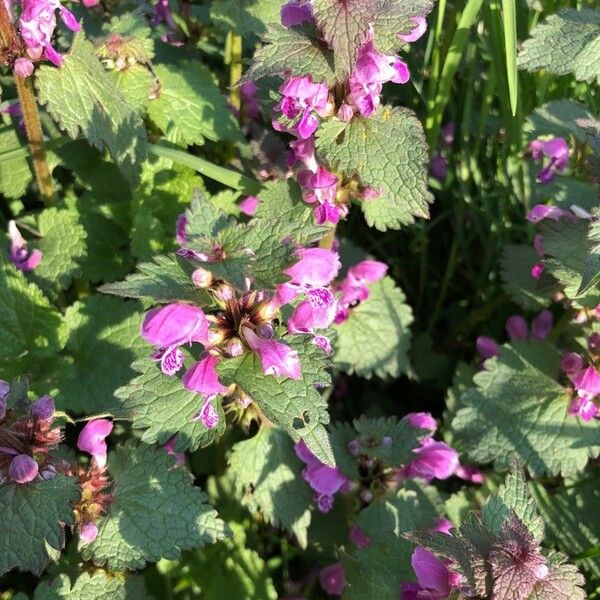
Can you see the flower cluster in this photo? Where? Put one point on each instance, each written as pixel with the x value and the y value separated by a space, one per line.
pixel 585 380
pixel 27 440
pixel 304 101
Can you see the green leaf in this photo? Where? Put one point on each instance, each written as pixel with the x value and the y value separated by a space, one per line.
pixel 387 152
pixel 161 407
pixel 567 248
pixel 32 521
pixel 295 405
pixel 393 17
pixel 15 173
pixel 247 18
pixel 81 97
pixel 519 410
pixel 266 473
pixel 156 512
pixel 516 263
pixel 375 338
pixel 104 339
pixel 63 245
pixel 591 272
pixel 379 570
pixel 99 585
pixel 163 194
pixel 514 496
pixel 136 84
pixel 165 279
pixel 557 118
pixel 292 50
pixel 190 106
pixel 344 25
pixel 572 519
pixel 567 42
pixel 28 324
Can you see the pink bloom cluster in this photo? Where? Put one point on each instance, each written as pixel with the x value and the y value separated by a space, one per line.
pixel 586 381
pixel 554 153
pixel 36 25
pixel 19 254
pixel 305 101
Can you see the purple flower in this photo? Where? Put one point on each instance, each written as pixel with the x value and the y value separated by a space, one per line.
pixel 249 205
pixel 418 30
pixel 162 13
pixel 542 211
pixel 333 579
pixel 22 469
pixel 326 481
pixel 434 460
pixel 486 347
pixel 43 408
pixel 92 439
pixel 587 383
pixel 434 580
pixel 438 167
pixel 169 448
pixel 301 100
pixel 316 312
pixel 276 357
pixel 304 151
pixel 296 12
pixel 517 328
pixel 170 327
pixel 537 270
pixel 556 150
pixel 584 408
pixel 250 104
pixel 421 420
pixel 20 256
pixel 372 70
pixel 37 24
pixel 470 473
pixel 207 414
pixel 320 188
pixel 542 325
pixel 355 286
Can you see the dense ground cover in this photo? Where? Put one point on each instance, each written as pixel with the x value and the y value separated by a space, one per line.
pixel 299 299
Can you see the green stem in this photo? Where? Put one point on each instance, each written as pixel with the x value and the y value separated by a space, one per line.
pixel 31 117
pixel 233 58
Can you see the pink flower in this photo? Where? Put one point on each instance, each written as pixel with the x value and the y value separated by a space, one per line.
pixel 556 150
pixel 372 70
pixel 320 188
pixel 19 254
pixel 355 286
pixel 207 414
pixel 326 481
pixel 421 420
pixel 419 29
pixel 316 312
pixel 92 439
pixel 90 3
pixel 276 357
pixel 23 68
pixel 537 270
pixel 438 167
pixel 542 211
pixel 333 579
pixel 170 327
pixel 162 13
pixel 434 460
pixel 584 408
pixel 169 448
pixel 37 24
pixel 434 579
pixel 296 12
pixel 304 151
pixel 517 328
pixel 22 469
pixel 249 205
pixel 486 347
pixel 203 377
pixel 470 473
pixel 587 383
pixel 301 99
pixel 316 267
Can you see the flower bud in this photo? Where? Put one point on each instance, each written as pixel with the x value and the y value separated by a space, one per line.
pixel 23 469
pixel 571 363
pixel 354 447
pixel 516 327
pixel 366 496
pixel 594 342
pixel 202 278
pixel 235 347
pixel 345 113
pixel 43 408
